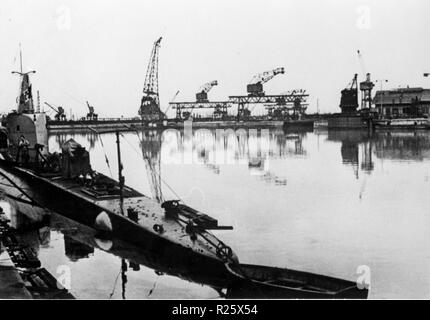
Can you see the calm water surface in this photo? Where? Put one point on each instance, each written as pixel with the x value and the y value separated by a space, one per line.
pixel 323 202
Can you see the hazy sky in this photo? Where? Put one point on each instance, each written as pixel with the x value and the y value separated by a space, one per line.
pixel 98 50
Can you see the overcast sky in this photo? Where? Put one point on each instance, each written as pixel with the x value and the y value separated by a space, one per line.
pixel 98 50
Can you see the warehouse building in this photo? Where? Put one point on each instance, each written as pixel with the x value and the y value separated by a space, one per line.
pixel 403 102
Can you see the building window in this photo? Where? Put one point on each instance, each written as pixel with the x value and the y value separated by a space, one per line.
pixel 17 128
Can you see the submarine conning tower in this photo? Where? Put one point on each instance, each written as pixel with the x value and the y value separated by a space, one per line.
pixel 25 123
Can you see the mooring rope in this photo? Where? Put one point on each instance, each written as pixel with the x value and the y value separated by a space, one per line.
pixel 115 283
pixel 22 190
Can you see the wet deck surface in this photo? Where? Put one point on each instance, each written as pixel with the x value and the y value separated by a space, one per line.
pixel 149 213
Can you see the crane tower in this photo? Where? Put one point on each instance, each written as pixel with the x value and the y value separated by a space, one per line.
pixel 365 86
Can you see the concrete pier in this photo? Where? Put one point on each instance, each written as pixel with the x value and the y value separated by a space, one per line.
pixel 132 125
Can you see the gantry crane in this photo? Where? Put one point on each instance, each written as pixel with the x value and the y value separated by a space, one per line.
pixel 184 110
pixel 60 115
pixel 255 87
pixel 91 115
pixel 150 103
pixel 202 95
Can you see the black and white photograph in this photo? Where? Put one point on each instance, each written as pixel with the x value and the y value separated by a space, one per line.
pixel 202 150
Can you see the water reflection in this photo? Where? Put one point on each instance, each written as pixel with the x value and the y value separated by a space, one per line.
pixel 211 148
pixel 408 146
pixel 91 138
pixel 150 144
pixel 331 234
pixel 356 148
pixel 76 250
pixel 214 148
pixel 359 147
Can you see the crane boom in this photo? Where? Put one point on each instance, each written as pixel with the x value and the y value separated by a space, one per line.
pixel 91 115
pixel 208 86
pixel 172 100
pixel 151 79
pixel 174 97
pixel 255 87
pixel 202 95
pixel 266 76
pixel 90 108
pixel 59 112
pixel 353 84
pixel 53 108
pixel 150 103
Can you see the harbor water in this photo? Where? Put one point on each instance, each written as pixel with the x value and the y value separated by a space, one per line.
pixel 328 202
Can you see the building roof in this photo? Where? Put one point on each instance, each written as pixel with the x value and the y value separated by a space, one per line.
pixel 402 95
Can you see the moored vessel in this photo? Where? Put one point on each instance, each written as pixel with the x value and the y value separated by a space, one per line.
pixel 255 281
pixel 405 123
pixel 39 181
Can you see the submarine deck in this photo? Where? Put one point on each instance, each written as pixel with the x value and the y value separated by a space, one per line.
pixel 149 213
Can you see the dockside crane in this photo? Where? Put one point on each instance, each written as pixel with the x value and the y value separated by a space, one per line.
pixel 202 95
pixel 349 97
pixel 255 87
pixel 60 114
pixel 150 103
pixel 91 115
pixel 365 86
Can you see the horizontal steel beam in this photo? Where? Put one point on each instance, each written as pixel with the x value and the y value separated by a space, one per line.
pixel 268 99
